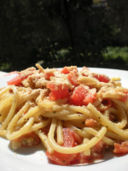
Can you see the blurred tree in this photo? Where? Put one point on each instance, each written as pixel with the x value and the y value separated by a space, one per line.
pixel 57 33
pixel 120 17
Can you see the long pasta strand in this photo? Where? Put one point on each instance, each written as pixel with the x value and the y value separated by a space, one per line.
pixel 77 149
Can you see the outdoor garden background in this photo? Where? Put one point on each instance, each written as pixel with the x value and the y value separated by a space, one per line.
pixel 56 33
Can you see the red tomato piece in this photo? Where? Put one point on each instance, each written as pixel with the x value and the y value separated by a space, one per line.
pixel 78 138
pixel 121 149
pixel 91 122
pixel 64 159
pixel 49 74
pixel 72 77
pixel 82 96
pixel 101 78
pixel 90 98
pixel 69 140
pixel 60 158
pixel 65 70
pixel 78 95
pixel 58 91
pixel 17 80
pixel 99 147
pixel 82 159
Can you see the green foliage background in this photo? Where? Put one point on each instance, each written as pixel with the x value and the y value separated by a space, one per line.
pixel 57 33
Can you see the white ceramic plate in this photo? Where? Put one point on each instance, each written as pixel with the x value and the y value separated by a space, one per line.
pixel 35 159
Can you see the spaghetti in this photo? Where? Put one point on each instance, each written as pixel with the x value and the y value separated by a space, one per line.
pixel 76 114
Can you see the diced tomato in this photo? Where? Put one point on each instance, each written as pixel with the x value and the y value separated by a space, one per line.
pixel 49 74
pixel 99 147
pixel 121 149
pixel 72 77
pixel 101 78
pixel 82 159
pixel 64 159
pixel 58 91
pixel 90 98
pixel 78 138
pixel 78 95
pixel 82 96
pixel 28 140
pixel 17 80
pixel 71 138
pixel 97 156
pixel 85 71
pixel 65 70
pixel 61 159
pixel 68 136
pixel 91 122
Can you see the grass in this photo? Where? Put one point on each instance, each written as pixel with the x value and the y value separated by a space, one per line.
pixel 5 66
pixel 116 52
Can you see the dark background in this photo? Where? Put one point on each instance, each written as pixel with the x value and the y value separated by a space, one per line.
pixel 63 32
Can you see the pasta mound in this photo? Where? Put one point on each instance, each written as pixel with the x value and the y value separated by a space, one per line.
pixel 76 114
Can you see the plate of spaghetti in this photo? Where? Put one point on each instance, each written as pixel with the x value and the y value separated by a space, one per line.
pixel 67 118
